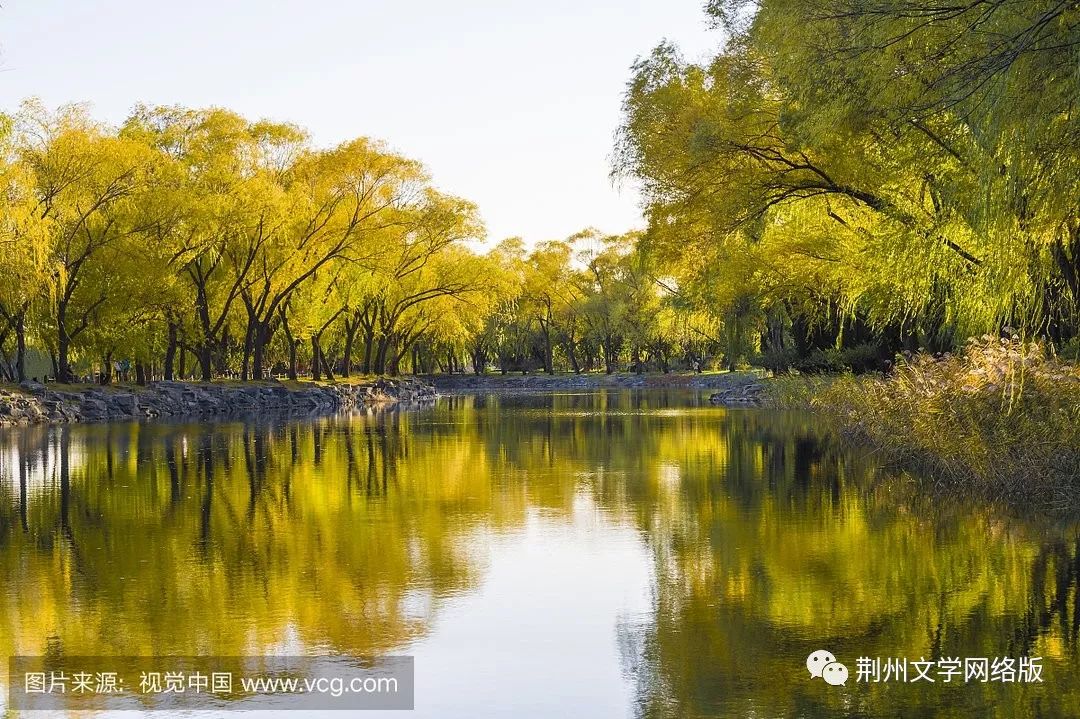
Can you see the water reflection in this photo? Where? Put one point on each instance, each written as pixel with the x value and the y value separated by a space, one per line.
pixel 757 538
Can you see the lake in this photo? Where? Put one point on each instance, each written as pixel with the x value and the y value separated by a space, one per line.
pixel 608 554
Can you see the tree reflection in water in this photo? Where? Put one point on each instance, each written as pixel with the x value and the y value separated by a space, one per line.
pixel 347 535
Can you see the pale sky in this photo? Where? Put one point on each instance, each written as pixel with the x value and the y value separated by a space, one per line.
pixel 510 103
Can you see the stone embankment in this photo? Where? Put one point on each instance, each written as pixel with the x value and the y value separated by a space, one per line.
pixel 741 389
pixel 32 403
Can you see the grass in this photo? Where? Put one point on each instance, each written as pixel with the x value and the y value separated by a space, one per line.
pixel 1001 419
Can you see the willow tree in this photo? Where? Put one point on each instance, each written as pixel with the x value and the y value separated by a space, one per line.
pixel 547 294
pixel 830 148
pixel 224 188
pixel 420 261
pixel 23 244
pixel 86 182
pixel 980 99
pixel 329 205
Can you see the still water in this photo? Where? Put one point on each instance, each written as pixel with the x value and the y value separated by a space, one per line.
pixel 619 554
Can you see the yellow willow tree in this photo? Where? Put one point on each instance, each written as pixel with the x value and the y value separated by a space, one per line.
pixel 86 183
pixel 488 330
pixel 461 328
pixel 311 316
pixel 547 292
pixel 910 167
pixel 966 116
pixel 421 261
pixel 226 184
pixel 23 248
pixel 324 208
pixel 448 292
pixel 736 186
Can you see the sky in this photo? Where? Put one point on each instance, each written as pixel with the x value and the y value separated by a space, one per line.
pixel 512 104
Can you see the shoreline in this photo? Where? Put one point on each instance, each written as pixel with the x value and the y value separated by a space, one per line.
pixel 34 404
pixel 723 382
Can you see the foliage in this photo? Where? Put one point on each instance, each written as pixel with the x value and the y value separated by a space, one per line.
pixel 841 181
pixel 198 243
pixel 845 172
pixel 197 234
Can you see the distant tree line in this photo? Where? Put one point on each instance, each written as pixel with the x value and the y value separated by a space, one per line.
pixel 196 243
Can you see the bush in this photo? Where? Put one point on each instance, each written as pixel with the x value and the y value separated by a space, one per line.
pixel 1070 351
pixel 830 361
pixel 863 358
pixel 776 361
pixel 858 359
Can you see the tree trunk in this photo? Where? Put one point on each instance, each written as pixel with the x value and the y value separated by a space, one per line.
pixel 106 369
pixel 316 363
pixel 328 369
pixel 63 369
pixel 381 354
pixel 293 365
pixel 346 362
pixel 319 358
pixel 140 373
pixel 292 345
pixel 549 362
pixel 609 357
pixel 20 346
pixel 369 342
pixel 206 359
pixel 572 353
pixel 261 337
pixel 248 340
pixel 204 352
pixel 170 353
pixel 63 346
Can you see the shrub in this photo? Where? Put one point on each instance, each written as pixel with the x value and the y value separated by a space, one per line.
pixel 1070 351
pixel 828 361
pixel 777 361
pixel 862 358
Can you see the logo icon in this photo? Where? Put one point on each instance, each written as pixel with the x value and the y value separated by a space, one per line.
pixel 822 664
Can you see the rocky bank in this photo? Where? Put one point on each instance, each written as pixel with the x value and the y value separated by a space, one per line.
pixel 732 389
pixel 32 403
pixel 499 383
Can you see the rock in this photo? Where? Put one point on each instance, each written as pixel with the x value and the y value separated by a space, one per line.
pixel 36 403
pixel 93 409
pixel 750 394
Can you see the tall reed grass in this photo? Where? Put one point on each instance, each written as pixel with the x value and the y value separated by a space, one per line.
pixel 1000 419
